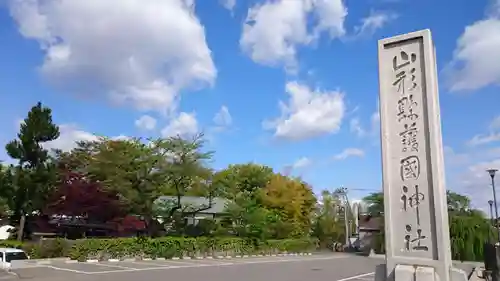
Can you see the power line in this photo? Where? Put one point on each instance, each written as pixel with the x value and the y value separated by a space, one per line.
pixel 365 189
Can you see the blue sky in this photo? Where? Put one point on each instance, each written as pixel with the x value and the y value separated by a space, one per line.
pixel 292 84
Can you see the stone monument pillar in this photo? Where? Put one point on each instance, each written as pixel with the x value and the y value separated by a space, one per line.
pixel 416 218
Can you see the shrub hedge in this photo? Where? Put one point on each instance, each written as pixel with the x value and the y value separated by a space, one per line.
pixel 165 247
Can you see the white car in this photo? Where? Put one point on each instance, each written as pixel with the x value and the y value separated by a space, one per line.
pixel 7 255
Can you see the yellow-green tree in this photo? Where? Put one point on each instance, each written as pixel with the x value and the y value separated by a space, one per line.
pixel 293 200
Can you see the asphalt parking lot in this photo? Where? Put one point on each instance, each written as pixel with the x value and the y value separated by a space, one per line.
pixel 331 267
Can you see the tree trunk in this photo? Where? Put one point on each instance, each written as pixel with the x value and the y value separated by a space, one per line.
pixel 150 225
pixel 20 232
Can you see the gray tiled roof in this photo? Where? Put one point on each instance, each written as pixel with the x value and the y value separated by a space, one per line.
pixel 194 203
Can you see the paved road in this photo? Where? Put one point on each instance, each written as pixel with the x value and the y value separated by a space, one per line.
pixel 332 267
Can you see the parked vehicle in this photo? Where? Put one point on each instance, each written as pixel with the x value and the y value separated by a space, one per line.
pixel 7 255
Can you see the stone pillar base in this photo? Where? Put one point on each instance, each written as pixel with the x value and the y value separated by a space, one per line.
pixel 415 273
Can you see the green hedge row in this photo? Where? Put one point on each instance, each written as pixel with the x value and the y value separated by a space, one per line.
pixel 166 247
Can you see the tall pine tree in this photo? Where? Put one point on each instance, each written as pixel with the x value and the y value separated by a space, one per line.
pixel 34 174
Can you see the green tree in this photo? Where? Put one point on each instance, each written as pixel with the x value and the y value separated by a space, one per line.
pixel 328 226
pixel 469 229
pixel 5 189
pixel 186 170
pixel 375 202
pixel 142 171
pixel 457 202
pixel 249 218
pixel 246 178
pixel 128 167
pixel 468 234
pixel 32 179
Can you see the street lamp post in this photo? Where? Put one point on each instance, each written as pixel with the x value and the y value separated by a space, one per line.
pixel 490 202
pixel 492 173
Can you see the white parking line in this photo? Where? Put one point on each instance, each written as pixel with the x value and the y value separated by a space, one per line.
pixel 67 269
pixel 134 270
pixel 173 264
pixel 112 265
pixel 156 268
pixel 253 261
pixel 201 261
pixel 356 276
pixel 153 263
pixel 257 261
pixel 182 262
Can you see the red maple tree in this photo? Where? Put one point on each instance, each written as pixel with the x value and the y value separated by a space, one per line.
pixel 78 197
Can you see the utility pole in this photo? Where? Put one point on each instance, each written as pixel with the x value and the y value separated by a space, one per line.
pixel 346 226
pixel 343 191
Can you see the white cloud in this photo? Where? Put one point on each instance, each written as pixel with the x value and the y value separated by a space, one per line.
pixel 453 158
pixel 375 21
pixel 484 139
pixel 223 118
pixel 146 122
pixel 121 138
pixel 466 173
pixel 466 170
pixel 475 64
pixel 309 113
pixel 372 130
pixel 375 119
pixel 496 8
pixel 228 4
pixel 492 136
pixel 493 10
pixel 184 125
pixel 141 53
pixel 475 182
pixel 273 30
pixel 223 122
pixel 331 16
pixel 495 123
pixel 349 152
pixel 356 128
pixel 70 134
pixel 302 163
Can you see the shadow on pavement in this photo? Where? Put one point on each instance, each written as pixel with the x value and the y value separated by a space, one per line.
pixel 5 275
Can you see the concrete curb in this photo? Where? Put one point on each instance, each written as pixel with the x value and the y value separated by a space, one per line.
pixel 67 260
pixel 373 255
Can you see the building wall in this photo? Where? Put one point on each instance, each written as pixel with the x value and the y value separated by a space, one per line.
pixel 201 216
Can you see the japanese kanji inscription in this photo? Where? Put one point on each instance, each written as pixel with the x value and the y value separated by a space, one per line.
pixel 413 174
pixel 406 114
